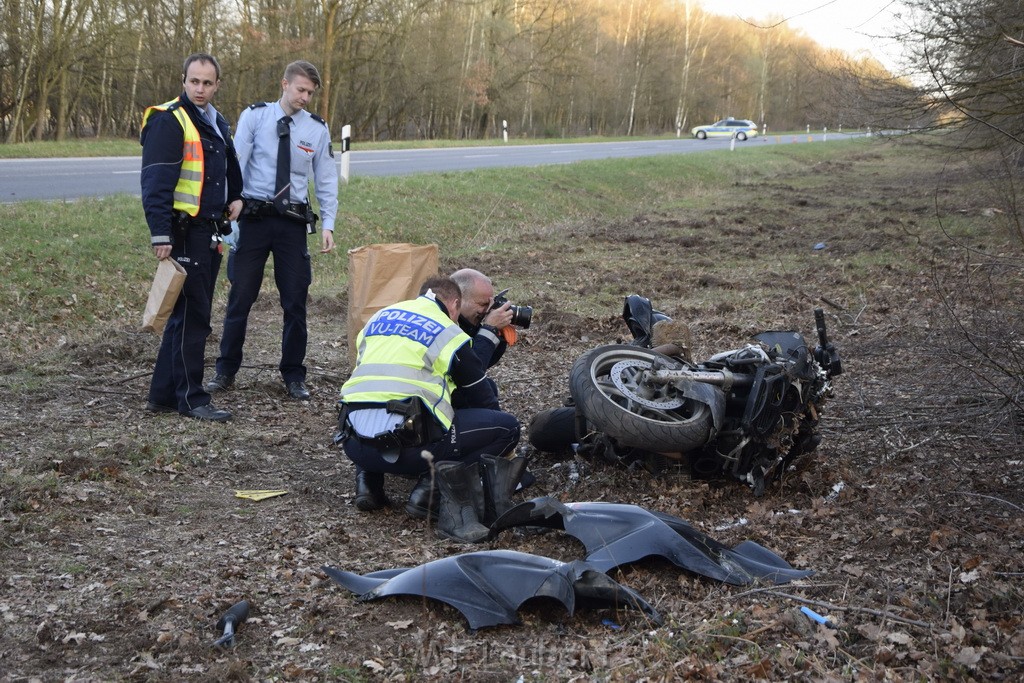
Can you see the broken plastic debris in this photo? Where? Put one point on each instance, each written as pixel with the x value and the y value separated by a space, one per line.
pixel 836 488
pixel 742 521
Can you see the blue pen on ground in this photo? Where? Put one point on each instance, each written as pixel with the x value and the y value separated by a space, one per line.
pixel 814 616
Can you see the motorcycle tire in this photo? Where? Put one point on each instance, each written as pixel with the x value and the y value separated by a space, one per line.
pixel 629 413
pixel 553 430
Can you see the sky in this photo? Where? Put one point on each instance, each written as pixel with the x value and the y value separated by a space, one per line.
pixel 843 24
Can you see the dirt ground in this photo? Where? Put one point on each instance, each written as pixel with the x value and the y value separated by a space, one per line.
pixel 121 540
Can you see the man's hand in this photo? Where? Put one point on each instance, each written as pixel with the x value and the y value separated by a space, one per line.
pixel 235 209
pixel 326 241
pixel 500 317
pixel 162 251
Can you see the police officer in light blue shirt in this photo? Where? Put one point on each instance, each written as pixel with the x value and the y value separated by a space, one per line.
pixel 280 145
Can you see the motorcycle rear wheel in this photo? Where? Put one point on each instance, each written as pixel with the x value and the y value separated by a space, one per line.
pixel 607 385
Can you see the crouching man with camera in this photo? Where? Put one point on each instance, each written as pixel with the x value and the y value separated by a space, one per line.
pixel 489 319
pixel 397 417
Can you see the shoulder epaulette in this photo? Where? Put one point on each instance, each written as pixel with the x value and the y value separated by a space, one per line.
pixel 257 105
pixel 174 105
pixel 317 118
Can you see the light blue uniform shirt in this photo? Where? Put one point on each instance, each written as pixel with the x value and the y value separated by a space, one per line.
pixel 256 144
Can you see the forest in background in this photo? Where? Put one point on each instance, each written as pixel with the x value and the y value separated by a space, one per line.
pixel 428 69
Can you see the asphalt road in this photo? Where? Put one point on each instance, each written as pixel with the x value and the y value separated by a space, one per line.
pixel 69 179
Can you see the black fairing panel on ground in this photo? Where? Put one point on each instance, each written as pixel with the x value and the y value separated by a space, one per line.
pixel 616 534
pixel 488 587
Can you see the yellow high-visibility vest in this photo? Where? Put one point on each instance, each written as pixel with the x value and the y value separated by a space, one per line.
pixel 190 180
pixel 406 351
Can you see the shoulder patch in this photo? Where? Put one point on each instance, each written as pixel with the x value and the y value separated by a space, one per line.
pixel 257 105
pixel 317 118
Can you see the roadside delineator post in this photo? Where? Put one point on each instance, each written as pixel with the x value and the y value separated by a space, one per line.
pixel 825 137
pixel 732 143
pixel 346 144
pixel 504 130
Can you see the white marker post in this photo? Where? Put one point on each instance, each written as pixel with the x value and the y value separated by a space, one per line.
pixel 504 130
pixel 346 144
pixel 825 131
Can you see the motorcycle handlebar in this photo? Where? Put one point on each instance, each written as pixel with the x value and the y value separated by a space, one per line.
pixel 819 322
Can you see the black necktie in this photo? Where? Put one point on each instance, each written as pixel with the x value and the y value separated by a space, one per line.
pixel 282 188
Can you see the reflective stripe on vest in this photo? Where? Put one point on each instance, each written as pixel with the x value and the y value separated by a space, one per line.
pixel 406 351
pixel 190 179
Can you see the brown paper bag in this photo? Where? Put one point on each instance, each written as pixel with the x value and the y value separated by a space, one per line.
pixel 167 282
pixel 383 274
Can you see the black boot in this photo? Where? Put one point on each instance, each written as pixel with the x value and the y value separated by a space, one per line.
pixel 370 491
pixel 501 477
pixel 425 499
pixel 461 498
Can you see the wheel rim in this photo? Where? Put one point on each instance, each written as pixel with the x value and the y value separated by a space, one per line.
pixel 621 381
pixel 626 375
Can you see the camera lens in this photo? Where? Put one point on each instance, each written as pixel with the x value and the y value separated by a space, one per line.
pixel 521 315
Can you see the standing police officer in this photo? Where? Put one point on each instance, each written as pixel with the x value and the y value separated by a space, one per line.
pixel 190 173
pixel 279 145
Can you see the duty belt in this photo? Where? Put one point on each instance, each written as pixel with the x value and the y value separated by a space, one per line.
pixel 256 207
pixel 184 219
pixel 181 221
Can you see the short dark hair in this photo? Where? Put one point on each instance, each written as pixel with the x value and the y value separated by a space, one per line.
pixel 302 68
pixel 200 57
pixel 443 287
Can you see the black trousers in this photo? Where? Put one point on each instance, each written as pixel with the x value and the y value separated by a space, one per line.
pixel 475 432
pixel 258 238
pixel 178 375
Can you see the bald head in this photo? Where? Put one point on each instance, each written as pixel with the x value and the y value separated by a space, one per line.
pixel 477 294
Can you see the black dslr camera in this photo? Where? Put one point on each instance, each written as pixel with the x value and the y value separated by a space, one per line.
pixel 521 315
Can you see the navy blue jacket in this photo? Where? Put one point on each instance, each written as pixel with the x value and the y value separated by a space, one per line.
pixel 484 345
pixel 162 143
pixel 469 374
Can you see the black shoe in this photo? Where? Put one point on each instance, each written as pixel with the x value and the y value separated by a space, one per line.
pixel 298 390
pixel 155 407
pixel 425 499
pixel 208 413
pixel 370 494
pixel 220 383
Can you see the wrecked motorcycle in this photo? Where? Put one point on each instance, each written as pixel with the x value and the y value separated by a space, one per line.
pixel 746 413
